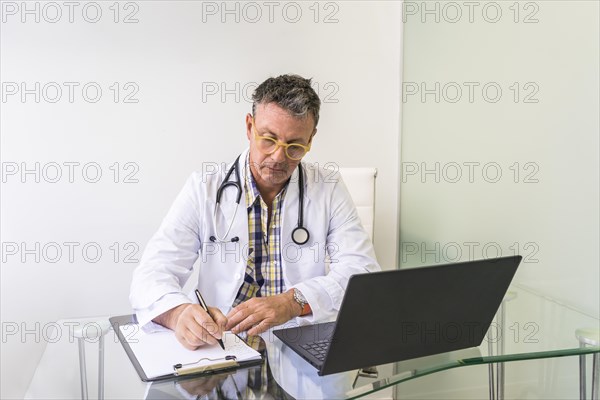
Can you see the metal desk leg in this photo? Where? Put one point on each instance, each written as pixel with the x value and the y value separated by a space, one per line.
pixel 82 368
pixel 491 372
pixel 582 374
pixel 595 376
pixel 101 368
pixel 497 388
pixel 500 350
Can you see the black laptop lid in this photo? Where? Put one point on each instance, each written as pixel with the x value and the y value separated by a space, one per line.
pixel 402 314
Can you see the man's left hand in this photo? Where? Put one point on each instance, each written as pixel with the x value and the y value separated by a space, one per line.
pixel 258 314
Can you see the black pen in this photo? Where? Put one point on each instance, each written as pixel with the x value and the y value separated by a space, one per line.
pixel 203 305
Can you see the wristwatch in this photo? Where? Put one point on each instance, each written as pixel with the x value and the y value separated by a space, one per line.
pixel 300 299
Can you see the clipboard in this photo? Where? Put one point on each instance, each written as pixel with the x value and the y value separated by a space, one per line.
pixel 237 353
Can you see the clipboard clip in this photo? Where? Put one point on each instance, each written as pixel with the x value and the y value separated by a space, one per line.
pixel 229 362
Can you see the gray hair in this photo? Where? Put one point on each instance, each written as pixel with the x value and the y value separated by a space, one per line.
pixel 293 93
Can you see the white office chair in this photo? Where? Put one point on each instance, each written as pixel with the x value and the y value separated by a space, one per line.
pixel 361 185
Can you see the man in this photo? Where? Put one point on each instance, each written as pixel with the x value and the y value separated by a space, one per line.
pixel 251 268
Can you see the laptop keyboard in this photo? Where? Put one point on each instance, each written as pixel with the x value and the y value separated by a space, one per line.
pixel 318 348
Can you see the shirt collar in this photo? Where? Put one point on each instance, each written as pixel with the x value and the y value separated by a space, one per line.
pixel 250 184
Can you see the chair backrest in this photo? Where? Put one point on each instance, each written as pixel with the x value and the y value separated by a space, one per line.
pixel 361 185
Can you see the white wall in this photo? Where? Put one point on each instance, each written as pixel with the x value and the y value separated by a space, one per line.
pixel 548 212
pixel 167 62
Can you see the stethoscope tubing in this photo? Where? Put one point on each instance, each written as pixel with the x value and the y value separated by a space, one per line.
pixel 300 234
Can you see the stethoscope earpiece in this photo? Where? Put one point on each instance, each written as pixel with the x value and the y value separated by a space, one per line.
pixel 233 239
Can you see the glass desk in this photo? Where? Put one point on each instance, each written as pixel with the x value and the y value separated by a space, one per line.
pixel 527 327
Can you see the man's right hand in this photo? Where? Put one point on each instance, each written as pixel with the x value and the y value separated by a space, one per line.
pixel 193 326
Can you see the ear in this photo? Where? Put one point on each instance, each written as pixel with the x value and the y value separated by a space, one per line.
pixel 312 136
pixel 249 122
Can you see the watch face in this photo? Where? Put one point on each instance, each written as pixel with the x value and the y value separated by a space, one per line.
pixel 299 297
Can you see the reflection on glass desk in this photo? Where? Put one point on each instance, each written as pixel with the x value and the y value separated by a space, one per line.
pixel 534 327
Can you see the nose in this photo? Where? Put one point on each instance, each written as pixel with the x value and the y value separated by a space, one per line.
pixel 279 155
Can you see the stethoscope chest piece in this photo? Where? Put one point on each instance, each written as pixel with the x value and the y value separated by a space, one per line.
pixel 300 235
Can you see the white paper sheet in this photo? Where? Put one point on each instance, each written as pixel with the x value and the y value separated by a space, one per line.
pixel 157 352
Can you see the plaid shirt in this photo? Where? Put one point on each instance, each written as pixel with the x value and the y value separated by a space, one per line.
pixel 263 275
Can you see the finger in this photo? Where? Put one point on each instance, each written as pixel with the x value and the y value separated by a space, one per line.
pixel 247 323
pixel 198 331
pixel 189 339
pixel 263 326
pixel 220 320
pixel 203 318
pixel 189 330
pixel 209 328
pixel 183 340
pixel 243 323
pixel 199 337
pixel 235 316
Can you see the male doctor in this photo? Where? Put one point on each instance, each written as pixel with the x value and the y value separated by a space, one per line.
pixel 253 268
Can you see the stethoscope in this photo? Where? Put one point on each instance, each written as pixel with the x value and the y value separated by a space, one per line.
pixel 300 234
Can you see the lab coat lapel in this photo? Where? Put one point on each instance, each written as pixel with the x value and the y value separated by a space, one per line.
pixel 227 206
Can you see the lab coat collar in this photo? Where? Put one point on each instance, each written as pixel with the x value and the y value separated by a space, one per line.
pixel 228 197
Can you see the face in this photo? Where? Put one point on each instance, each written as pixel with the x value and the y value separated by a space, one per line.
pixel 271 171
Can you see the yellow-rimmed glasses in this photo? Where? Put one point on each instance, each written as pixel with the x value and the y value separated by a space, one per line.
pixel 269 145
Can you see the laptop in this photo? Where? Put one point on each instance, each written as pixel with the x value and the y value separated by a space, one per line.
pixel 402 314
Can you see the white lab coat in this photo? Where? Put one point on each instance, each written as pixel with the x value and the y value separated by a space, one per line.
pixel 329 215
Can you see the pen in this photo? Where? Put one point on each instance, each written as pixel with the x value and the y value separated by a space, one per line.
pixel 203 305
